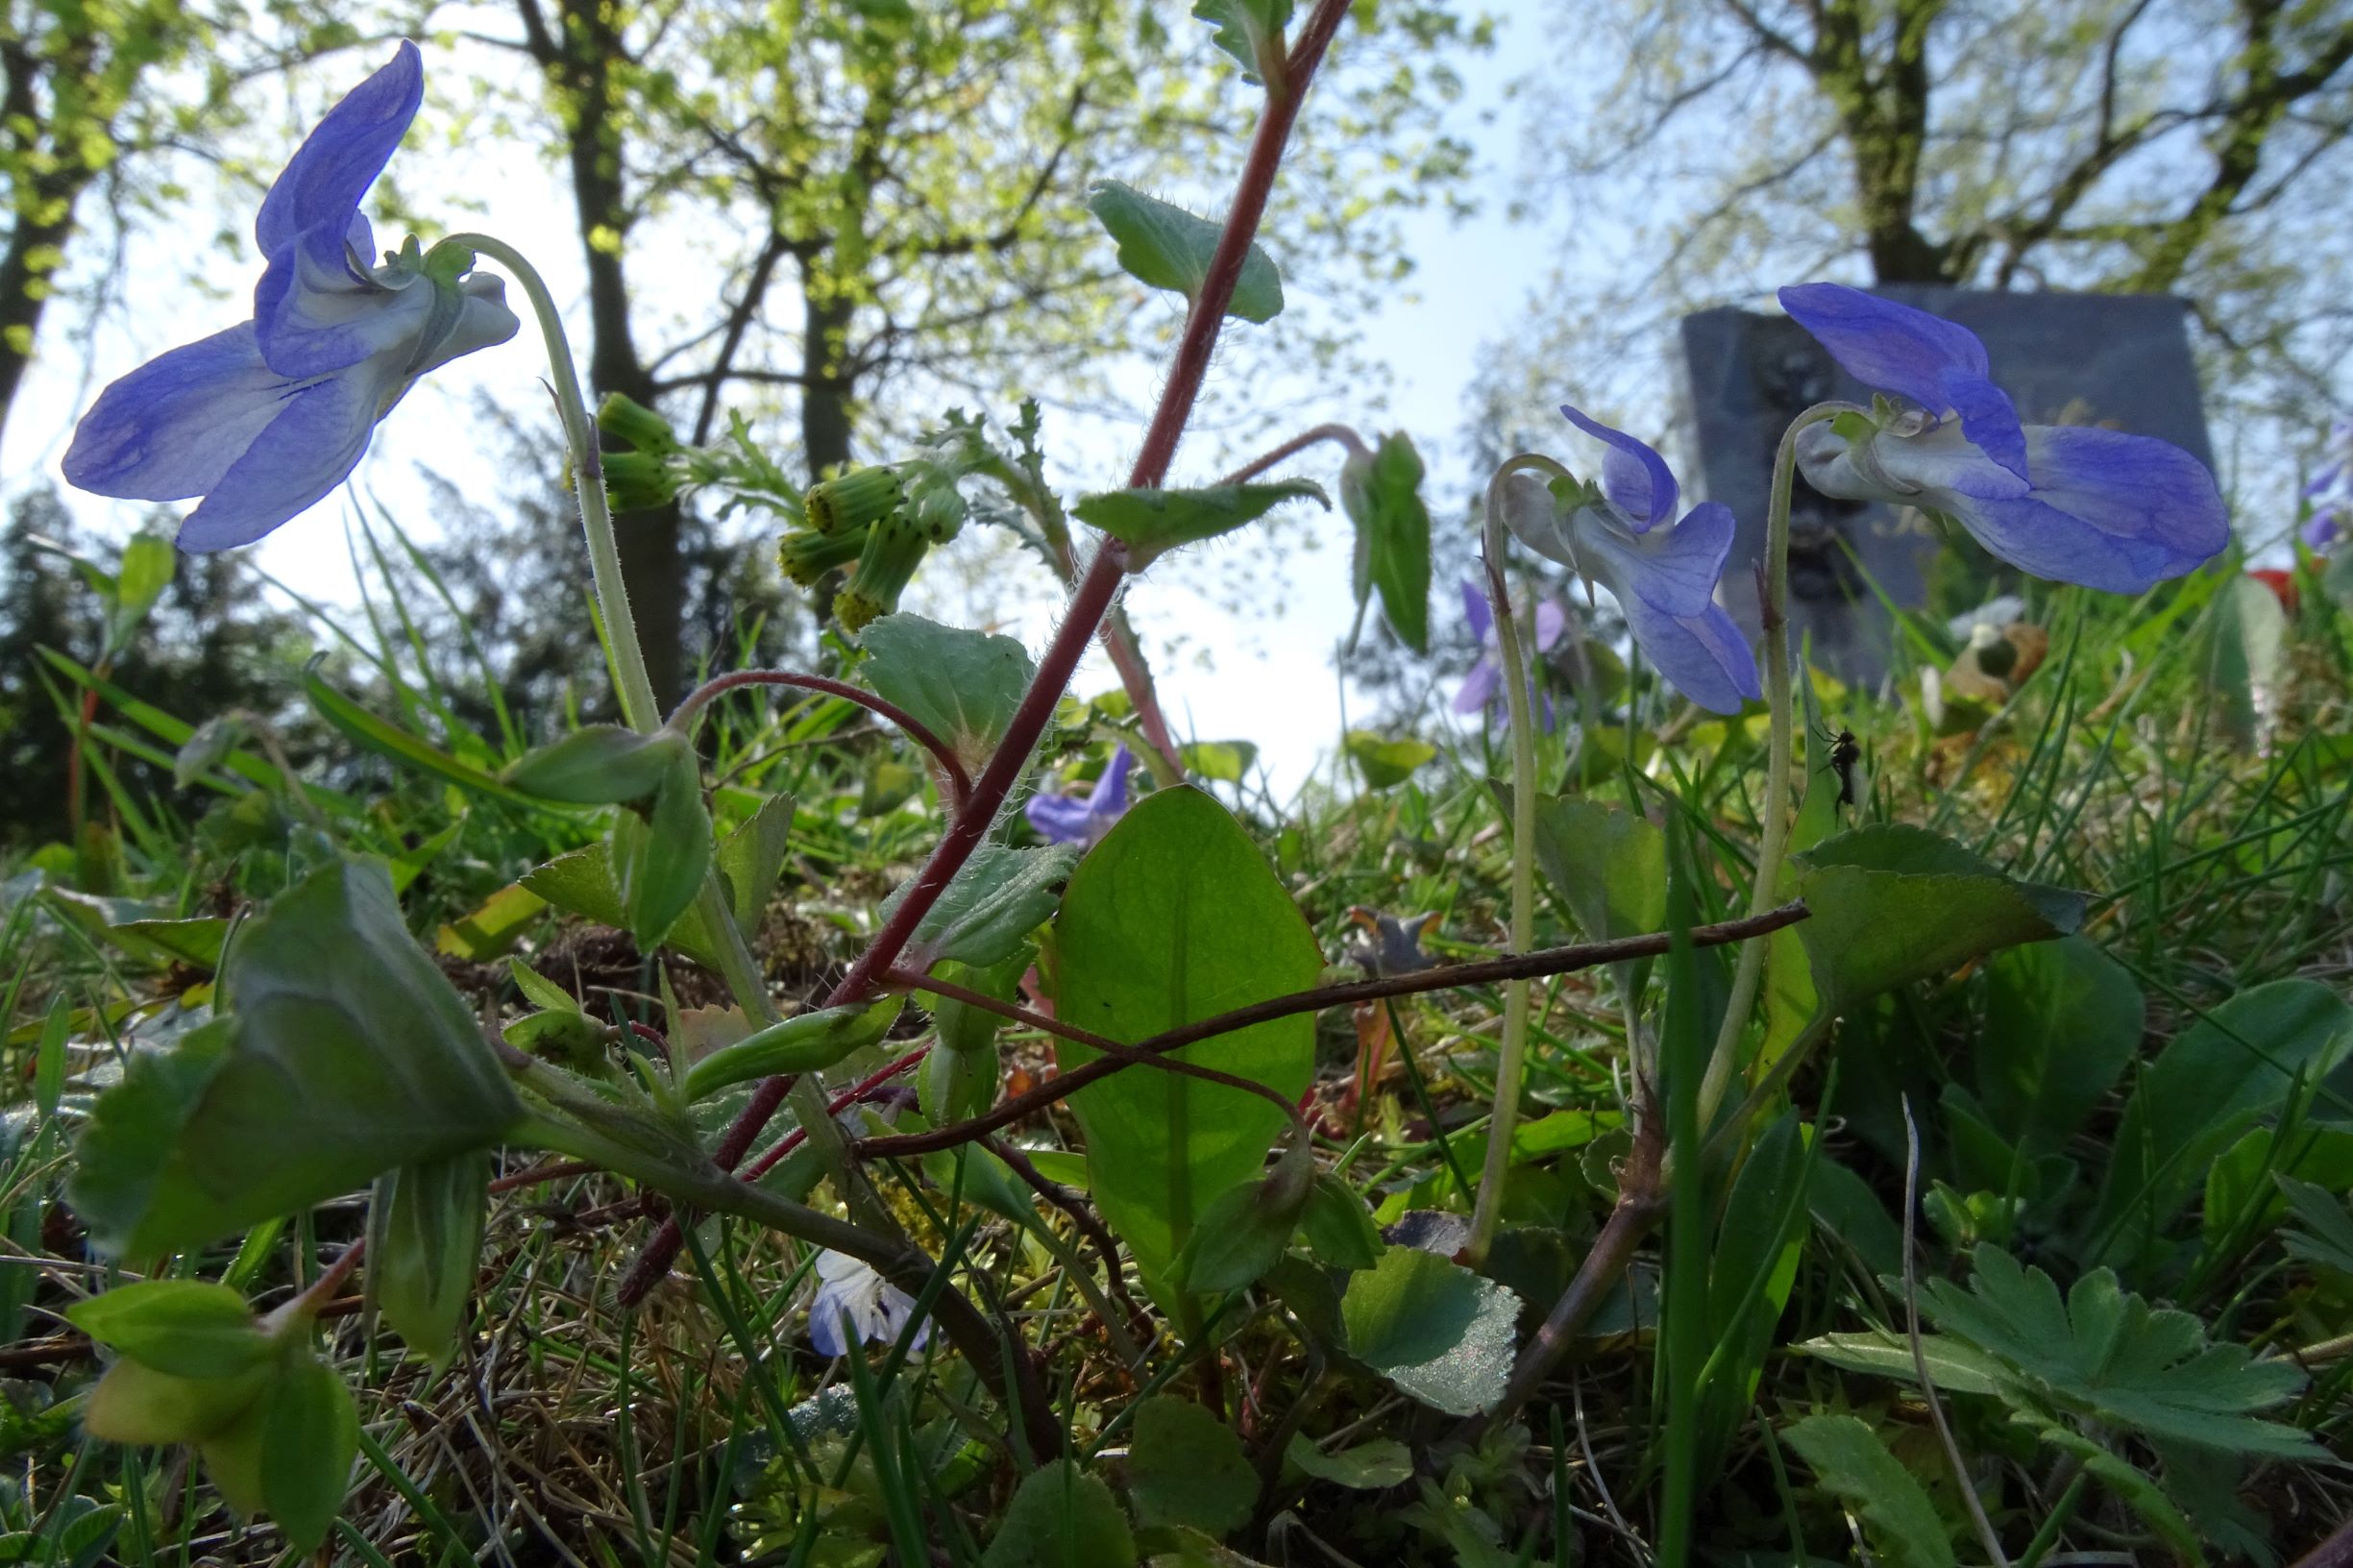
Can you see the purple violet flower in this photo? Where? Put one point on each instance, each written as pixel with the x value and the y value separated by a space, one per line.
pixel 2073 504
pixel 266 419
pixel 877 1310
pixel 1082 819
pixel 2330 491
pixel 1483 686
pixel 1663 577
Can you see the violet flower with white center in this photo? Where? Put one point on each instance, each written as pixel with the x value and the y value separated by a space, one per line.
pixel 2073 504
pixel 2330 491
pixel 1663 574
pixel 1483 686
pixel 876 1309
pixel 1082 819
pixel 266 419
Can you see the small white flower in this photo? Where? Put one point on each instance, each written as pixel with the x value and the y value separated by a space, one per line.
pixel 877 1309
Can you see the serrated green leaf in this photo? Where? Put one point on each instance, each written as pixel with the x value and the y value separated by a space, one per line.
pixel 2105 1353
pixel 1381 492
pixel 960 685
pixel 1002 894
pixel 751 858
pixel 581 882
pixel 1434 1329
pixel 1153 522
pixel 188 1328
pixel 1163 246
pixel 346 1053
pixel 1251 31
pixel 1062 1517
pixel 1173 918
pixel 1186 1469
pixel 1852 1465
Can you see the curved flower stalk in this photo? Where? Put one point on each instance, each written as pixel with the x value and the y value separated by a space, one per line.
pixel 1621 534
pixel 2073 504
pixel 1082 819
pixel 1483 686
pixel 264 420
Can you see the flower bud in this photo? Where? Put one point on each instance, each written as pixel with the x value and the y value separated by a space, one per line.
pixel 640 481
pixel 894 547
pixel 636 424
pixel 808 557
pixel 852 500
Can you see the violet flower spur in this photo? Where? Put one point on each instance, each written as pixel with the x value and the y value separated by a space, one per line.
pixel 1663 577
pixel 2073 504
pixel 266 419
pixel 876 1309
pixel 1082 819
pixel 1483 686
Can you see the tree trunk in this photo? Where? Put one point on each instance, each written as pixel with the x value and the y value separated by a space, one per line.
pixel 827 387
pixel 25 270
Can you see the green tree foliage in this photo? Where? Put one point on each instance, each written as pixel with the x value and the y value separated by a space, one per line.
pixel 89 95
pixel 885 202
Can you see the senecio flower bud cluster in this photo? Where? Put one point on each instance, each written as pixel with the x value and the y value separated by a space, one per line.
pixel 884 517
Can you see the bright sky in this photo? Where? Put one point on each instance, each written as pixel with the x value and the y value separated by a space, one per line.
pixel 1271 680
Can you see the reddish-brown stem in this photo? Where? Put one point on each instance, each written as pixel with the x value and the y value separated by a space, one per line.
pixel 1089 601
pixel 1225 269
pixel 864 1089
pixel 1296 445
pixel 959 782
pixel 1515 966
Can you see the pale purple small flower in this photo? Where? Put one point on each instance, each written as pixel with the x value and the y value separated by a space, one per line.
pixel 2330 491
pixel 2073 504
pixel 1623 535
pixel 1082 819
pixel 1483 686
pixel 264 420
pixel 876 1309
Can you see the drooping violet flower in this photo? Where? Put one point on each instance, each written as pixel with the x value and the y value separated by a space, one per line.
pixel 2330 491
pixel 266 419
pixel 2073 504
pixel 1663 577
pixel 877 1310
pixel 1483 686
pixel 1082 819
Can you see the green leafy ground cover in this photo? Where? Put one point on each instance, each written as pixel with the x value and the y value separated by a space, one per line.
pixel 2105 1003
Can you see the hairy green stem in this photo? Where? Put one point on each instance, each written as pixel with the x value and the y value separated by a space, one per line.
pixel 1511 1061
pixel 1773 611
pixel 639 706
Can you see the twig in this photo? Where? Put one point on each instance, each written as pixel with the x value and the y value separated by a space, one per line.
pixel 1545 962
pixel 960 782
pixel 1296 445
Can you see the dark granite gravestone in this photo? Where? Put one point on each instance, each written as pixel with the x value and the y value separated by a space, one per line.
pixel 2118 361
